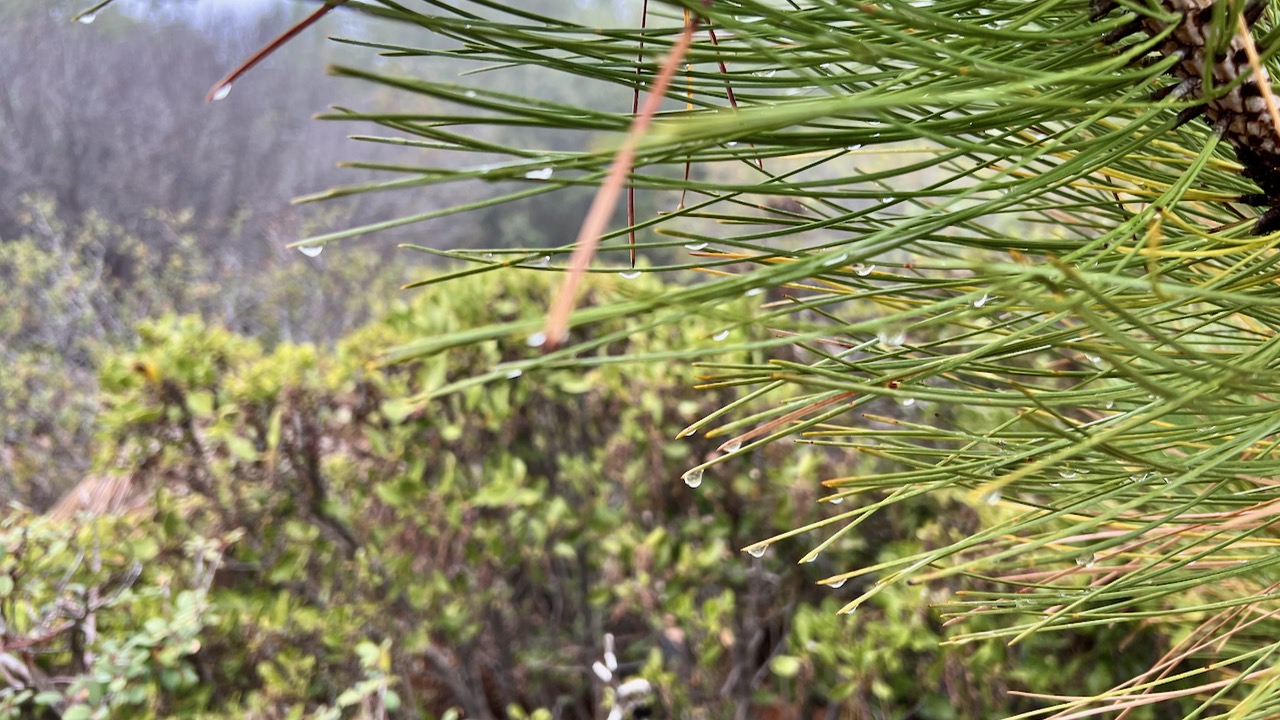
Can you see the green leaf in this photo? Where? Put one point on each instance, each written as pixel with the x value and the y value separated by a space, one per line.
pixel 350 697
pixel 242 448
pixel 48 698
pixel 506 496
pixel 368 653
pixel 77 712
pixel 786 666
pixel 396 410
pixel 200 403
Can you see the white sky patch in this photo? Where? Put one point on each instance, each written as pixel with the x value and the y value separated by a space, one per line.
pixel 202 13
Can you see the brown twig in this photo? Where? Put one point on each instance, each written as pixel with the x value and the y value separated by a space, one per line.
pixel 790 417
pixel 220 88
pixel 635 110
pixel 557 327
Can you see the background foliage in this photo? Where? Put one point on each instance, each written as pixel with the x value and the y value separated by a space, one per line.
pixel 124 197
pixel 1046 315
pixel 295 539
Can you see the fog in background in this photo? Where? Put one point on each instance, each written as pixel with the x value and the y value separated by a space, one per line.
pixel 125 197
pixel 109 119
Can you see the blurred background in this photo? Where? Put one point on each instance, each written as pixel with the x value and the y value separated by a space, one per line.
pixel 285 536
pixel 123 196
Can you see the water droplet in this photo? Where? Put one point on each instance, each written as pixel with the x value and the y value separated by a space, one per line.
pixel 837 583
pixel 470 93
pixel 693 478
pixel 981 301
pixel 755 291
pixel 1086 560
pixel 756 551
pixel 733 447
pixel 629 275
pixel 1110 404
pixel 837 260
pixel 731 143
pixel 837 500
pixel 766 73
pixel 808 559
pixel 513 374
pixel 720 335
pixel 1095 359
pixel 992 498
pixel 311 250
pixel 696 246
pixel 908 402
pixel 537 339
pixel 88 18
pixel 852 148
pixel 540 174
pixel 541 262
pixel 891 339
pixel 488 256
pixel 1067 473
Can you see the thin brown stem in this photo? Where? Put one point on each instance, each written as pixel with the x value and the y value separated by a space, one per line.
pixel 557 327
pixel 221 87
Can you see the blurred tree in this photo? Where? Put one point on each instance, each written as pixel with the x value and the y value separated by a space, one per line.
pixel 105 127
pixel 123 196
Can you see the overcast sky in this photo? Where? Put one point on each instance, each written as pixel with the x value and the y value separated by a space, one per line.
pixel 202 12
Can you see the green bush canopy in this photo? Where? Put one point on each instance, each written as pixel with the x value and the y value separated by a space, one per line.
pixel 281 534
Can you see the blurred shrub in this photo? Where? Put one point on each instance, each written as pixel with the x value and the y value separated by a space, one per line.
pixel 71 289
pixel 303 541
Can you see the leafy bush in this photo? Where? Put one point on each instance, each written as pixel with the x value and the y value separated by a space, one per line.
pixel 302 539
pixel 72 288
